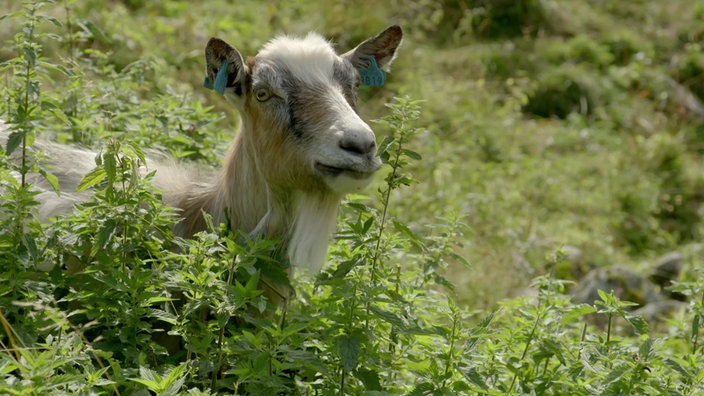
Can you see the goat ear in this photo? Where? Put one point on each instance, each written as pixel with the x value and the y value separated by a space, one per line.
pixel 382 47
pixel 217 52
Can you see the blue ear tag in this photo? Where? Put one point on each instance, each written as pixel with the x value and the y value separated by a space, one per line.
pixel 220 79
pixel 372 76
pixel 207 84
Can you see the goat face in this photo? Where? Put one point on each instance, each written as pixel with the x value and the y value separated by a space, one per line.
pixel 298 103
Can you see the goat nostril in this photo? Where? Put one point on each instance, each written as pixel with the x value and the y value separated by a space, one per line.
pixel 358 146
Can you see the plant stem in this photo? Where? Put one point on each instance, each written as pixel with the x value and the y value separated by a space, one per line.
pixel 342 380
pixel 382 225
pixel 695 338
pixel 27 84
pixel 528 342
pixel 69 27
pixel 450 354
pixel 382 222
pixel 608 331
pixel 221 333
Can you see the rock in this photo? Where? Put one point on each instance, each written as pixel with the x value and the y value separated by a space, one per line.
pixel 572 253
pixel 658 311
pixel 627 284
pixel 667 268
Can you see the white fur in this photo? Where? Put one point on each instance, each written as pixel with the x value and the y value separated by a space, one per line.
pixel 346 124
pixel 314 222
pixel 309 59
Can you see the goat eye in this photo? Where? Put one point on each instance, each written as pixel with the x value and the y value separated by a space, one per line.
pixel 262 94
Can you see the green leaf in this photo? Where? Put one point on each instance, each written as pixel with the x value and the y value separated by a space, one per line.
pixel 349 347
pixel 150 384
pixel 487 321
pixel 8 366
pixel 603 295
pixel 163 316
pixel 384 145
pixel 474 377
pixel 367 225
pixel 307 358
pixel 645 349
pixel 369 378
pixel 53 108
pixel 424 388
pixel 110 166
pixel 31 245
pixel 92 178
pixel 105 236
pixel 275 272
pixel 51 19
pixel 13 141
pixel 261 362
pixel 616 373
pixel 360 207
pixel 97 33
pixel 695 326
pixel 149 378
pixel 389 317
pixel 31 56
pixel 175 379
pixel 48 104
pixel 132 149
pixel 110 281
pixel 343 269
pixel 577 312
pixel 11 15
pixel 51 179
pixel 408 233
pixel 460 386
pixel 412 154
pixel 639 324
pixel 675 365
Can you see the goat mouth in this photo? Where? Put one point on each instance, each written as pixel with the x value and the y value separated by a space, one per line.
pixel 335 171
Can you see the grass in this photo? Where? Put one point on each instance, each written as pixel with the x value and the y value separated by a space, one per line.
pixel 424 289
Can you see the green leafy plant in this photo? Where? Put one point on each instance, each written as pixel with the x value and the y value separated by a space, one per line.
pixel 104 300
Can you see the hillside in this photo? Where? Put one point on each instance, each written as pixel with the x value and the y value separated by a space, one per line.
pixel 556 137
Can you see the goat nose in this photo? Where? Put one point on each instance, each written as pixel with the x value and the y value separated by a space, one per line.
pixel 359 144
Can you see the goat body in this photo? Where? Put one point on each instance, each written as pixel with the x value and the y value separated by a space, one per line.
pixel 301 145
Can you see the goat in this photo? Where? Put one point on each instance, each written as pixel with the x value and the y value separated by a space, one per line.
pixel 301 144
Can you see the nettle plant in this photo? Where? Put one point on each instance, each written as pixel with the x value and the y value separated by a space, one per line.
pixel 128 308
pixel 158 312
